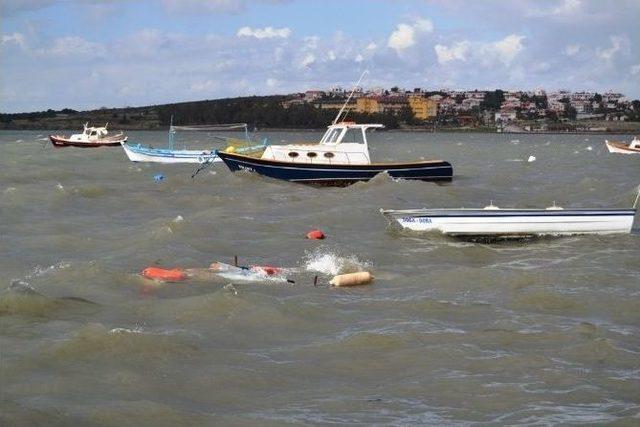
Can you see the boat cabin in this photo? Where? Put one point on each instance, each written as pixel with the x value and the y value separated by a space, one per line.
pixel 90 133
pixel 342 143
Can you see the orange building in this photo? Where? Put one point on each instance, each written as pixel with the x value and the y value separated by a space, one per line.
pixel 423 108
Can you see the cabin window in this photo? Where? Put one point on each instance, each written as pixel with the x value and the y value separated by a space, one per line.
pixel 311 154
pixel 353 136
pixel 93 133
pixel 293 154
pixel 329 155
pixel 333 136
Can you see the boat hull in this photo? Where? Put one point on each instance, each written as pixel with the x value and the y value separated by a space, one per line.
pixel 59 142
pixel 618 147
pixel 337 174
pixel 514 223
pixel 141 153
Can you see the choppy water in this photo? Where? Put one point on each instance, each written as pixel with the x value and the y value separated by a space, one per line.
pixel 451 332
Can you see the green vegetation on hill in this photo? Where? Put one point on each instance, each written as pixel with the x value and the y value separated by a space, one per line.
pixel 257 111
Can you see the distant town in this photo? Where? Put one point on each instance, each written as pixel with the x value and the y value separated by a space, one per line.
pixel 503 110
pixel 416 109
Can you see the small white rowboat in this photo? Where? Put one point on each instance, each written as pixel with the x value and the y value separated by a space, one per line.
pixel 514 223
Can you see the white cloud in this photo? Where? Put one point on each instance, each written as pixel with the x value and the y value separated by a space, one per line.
pixel 359 58
pixel 405 34
pixel 422 24
pixel 616 46
pixel 402 38
pixel 563 9
pixel 264 33
pixel 457 51
pixel 507 48
pixel 635 69
pixel 308 60
pixel 372 46
pixel 571 49
pixel 73 46
pixel 15 38
pixel 311 42
pixel 272 83
pixel 331 55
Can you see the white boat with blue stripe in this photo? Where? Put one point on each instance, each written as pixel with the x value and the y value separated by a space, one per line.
pixel 145 153
pixel 514 223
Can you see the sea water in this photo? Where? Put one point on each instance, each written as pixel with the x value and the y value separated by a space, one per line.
pixel 451 332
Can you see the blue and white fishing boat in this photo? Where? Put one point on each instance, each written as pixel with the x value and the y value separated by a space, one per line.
pixel 340 158
pixel 514 223
pixel 333 161
pixel 145 153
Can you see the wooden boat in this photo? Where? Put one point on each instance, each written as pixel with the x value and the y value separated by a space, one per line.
pixel 333 161
pixel 90 137
pixel 514 223
pixel 145 153
pixel 620 147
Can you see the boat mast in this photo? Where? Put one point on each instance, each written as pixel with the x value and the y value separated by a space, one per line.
pixel 349 97
pixel 172 133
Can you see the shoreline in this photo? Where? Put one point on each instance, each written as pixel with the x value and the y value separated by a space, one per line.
pixel 398 130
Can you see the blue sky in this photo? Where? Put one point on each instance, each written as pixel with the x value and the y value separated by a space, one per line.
pixel 86 54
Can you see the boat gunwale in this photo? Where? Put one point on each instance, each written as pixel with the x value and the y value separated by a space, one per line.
pixel 332 166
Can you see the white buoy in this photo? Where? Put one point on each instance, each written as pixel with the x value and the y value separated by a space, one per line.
pixel 531 159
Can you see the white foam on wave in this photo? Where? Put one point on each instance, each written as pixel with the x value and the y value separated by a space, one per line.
pixel 38 270
pixel 329 262
pixel 135 330
pixel 59 187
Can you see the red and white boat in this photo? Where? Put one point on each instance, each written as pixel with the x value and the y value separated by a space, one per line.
pixel 90 137
pixel 620 147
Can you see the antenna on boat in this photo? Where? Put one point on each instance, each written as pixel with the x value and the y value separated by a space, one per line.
pixel 349 97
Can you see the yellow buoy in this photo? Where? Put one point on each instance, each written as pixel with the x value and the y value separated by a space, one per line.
pixel 230 149
pixel 352 279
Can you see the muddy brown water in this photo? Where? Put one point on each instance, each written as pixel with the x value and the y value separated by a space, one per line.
pixel 451 332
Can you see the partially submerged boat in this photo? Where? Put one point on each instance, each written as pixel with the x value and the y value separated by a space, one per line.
pixel 90 137
pixel 620 147
pixel 145 153
pixel 494 222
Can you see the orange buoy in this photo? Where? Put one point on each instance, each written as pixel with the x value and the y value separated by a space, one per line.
pixel 315 235
pixel 352 279
pixel 164 274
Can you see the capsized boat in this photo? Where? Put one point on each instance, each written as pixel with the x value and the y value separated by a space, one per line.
pixel 514 223
pixel 90 137
pixel 146 153
pixel 340 158
pixel 620 147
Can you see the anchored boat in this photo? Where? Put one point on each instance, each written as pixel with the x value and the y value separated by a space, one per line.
pixel 333 161
pixel 146 153
pixel 90 137
pixel 340 158
pixel 514 223
pixel 620 147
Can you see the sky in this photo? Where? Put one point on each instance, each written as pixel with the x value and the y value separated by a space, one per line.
pixel 84 54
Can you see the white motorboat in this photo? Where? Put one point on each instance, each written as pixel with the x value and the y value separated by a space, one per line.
pixel 492 221
pixel 90 137
pixel 620 147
